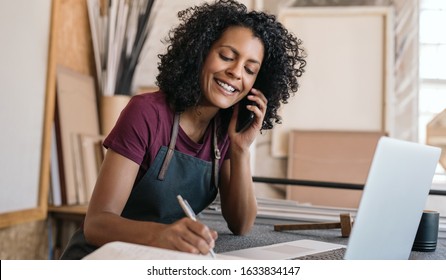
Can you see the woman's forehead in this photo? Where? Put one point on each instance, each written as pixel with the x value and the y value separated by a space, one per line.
pixel 242 40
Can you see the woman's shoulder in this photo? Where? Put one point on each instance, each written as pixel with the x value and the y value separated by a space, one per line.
pixel 150 102
pixel 151 98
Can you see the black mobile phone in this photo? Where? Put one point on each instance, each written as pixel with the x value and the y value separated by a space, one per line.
pixel 245 117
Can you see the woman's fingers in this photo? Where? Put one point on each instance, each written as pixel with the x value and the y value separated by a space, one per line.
pixel 191 236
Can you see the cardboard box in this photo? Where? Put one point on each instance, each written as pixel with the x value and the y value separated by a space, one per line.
pixel 330 156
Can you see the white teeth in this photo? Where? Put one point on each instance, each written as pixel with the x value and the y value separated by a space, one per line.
pixel 226 86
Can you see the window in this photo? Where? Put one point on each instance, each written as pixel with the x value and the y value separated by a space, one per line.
pixel 432 95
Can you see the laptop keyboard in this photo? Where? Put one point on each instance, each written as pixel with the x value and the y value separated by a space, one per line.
pixel 336 254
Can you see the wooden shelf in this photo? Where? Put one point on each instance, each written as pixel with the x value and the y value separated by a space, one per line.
pixel 74 209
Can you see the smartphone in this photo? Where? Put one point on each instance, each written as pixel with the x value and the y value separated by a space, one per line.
pixel 245 117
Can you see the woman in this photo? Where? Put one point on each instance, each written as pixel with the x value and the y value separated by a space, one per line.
pixel 183 141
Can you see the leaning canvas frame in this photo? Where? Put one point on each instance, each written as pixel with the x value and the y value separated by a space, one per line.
pixel 349 79
pixel 25 179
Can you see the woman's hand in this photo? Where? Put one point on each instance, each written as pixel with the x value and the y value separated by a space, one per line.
pixel 245 138
pixel 188 236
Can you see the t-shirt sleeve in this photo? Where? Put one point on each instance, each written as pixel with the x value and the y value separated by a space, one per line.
pixel 132 132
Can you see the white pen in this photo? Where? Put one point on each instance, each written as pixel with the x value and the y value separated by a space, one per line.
pixel 190 213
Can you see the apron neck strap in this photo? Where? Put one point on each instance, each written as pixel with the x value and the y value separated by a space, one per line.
pixel 173 139
pixel 216 154
pixel 169 154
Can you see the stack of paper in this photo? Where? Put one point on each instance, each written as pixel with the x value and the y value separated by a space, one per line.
pixel 128 251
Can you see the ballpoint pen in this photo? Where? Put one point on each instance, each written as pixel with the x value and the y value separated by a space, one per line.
pixel 191 214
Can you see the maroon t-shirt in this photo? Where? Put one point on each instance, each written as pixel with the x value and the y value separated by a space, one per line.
pixel 145 125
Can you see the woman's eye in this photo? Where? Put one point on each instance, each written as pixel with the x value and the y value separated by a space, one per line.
pixel 225 58
pixel 249 71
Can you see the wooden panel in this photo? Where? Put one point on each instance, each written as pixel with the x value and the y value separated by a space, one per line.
pixel 74 45
pixel 328 156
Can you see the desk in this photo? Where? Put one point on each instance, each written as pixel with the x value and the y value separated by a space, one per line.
pixel 262 233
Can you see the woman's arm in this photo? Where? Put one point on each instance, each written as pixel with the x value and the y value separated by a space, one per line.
pixel 103 222
pixel 239 205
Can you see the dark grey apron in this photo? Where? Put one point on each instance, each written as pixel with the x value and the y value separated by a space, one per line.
pixel 153 198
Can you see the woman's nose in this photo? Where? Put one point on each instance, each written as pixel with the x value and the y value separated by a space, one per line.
pixel 235 70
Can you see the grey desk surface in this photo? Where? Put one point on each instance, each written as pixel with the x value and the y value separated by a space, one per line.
pixel 263 234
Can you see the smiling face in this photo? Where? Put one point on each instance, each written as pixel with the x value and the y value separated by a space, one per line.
pixel 231 67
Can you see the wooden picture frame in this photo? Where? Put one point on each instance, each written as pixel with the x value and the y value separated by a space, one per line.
pixel 348 83
pixel 30 82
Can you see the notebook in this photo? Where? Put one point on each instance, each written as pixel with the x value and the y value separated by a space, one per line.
pixel 390 210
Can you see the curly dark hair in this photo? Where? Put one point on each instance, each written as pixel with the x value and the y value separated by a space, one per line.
pixel 190 43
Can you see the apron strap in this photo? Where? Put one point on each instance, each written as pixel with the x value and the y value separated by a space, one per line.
pixel 173 140
pixel 216 154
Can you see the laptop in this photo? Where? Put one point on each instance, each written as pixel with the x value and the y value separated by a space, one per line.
pixel 389 213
